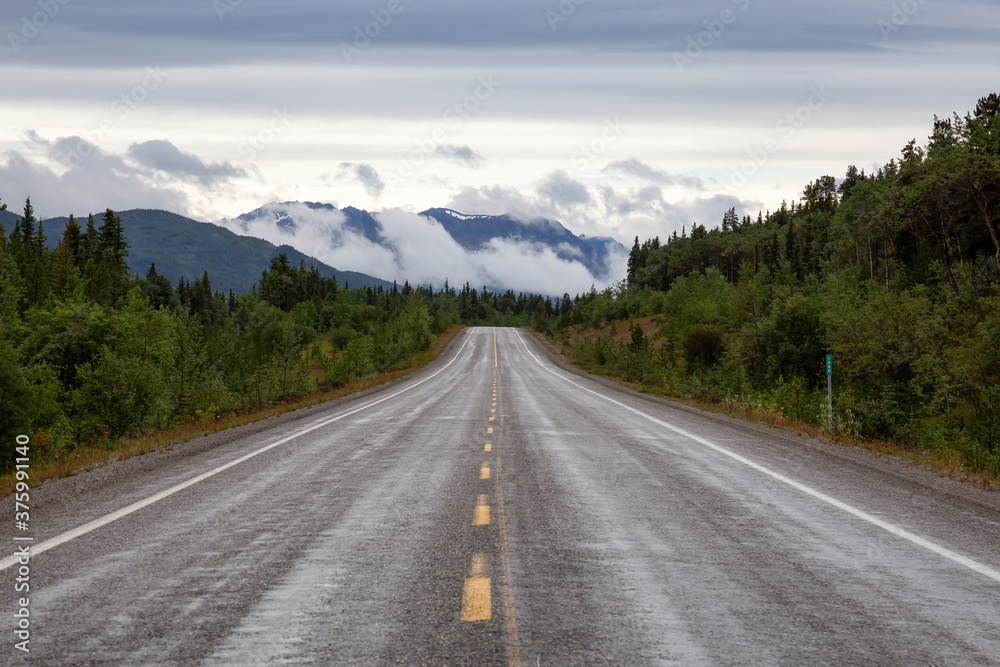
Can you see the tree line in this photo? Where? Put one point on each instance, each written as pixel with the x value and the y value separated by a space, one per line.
pixel 896 273
pixel 90 352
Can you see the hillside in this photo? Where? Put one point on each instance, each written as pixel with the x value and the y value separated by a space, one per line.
pixel 477 235
pixel 184 247
pixel 473 232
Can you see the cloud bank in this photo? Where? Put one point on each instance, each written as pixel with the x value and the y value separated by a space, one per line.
pixel 419 249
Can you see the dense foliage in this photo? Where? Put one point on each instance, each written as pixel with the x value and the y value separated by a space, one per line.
pixel 895 273
pixel 90 353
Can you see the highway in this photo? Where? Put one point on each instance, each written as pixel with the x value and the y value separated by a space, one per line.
pixel 497 508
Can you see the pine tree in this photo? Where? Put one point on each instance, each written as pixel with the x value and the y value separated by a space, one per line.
pixel 28 221
pixel 34 261
pixel 730 221
pixel 88 246
pixel 66 263
pixel 72 239
pixel 111 244
pixel 633 262
pixel 112 250
pixel 38 240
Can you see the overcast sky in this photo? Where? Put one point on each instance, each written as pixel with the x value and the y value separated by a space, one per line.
pixel 618 117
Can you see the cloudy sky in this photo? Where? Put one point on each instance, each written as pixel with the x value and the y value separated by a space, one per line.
pixel 617 117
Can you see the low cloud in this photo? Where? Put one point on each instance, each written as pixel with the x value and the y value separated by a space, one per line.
pixel 600 209
pixel 163 156
pixel 71 174
pixel 59 186
pixel 641 170
pixel 421 250
pixel 365 174
pixel 463 155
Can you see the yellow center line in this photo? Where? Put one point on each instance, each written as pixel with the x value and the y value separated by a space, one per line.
pixel 484 471
pixel 476 604
pixel 493 410
pixel 488 447
pixel 506 586
pixel 491 418
pixel 481 515
pixel 489 430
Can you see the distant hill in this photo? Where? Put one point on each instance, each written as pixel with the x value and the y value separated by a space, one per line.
pixel 184 247
pixel 7 219
pixel 473 232
pixel 355 220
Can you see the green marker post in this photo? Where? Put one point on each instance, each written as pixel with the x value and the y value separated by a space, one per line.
pixel 829 392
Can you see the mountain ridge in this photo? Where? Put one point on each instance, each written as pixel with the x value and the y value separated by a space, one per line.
pixel 181 246
pixel 473 232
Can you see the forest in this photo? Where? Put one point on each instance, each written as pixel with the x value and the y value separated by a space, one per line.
pixel 895 273
pixel 91 354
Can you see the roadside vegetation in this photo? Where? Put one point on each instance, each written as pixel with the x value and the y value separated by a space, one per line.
pixel 895 273
pixel 96 362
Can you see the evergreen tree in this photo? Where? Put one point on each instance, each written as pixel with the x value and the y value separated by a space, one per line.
pixel 730 221
pixel 28 221
pixel 72 239
pixel 633 262
pixel 88 247
pixel 111 245
pixel 112 251
pixel 66 259
pixel 39 240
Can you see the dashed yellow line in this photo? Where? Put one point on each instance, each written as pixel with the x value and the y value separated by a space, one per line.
pixel 488 447
pixel 481 514
pixel 489 430
pixel 476 604
pixel 484 471
pixel 492 418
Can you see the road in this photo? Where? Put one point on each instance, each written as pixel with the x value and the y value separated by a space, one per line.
pixel 495 508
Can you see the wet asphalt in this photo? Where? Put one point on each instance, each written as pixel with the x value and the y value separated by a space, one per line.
pixel 623 529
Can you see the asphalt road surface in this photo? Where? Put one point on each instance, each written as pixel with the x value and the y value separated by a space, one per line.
pixel 496 508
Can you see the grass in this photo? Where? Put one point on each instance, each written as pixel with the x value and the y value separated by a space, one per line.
pixel 88 457
pixel 946 464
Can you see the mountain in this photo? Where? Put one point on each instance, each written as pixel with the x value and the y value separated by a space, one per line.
pixel 474 232
pixel 7 220
pixel 355 220
pixel 184 247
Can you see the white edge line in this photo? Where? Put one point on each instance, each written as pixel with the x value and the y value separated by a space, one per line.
pixel 135 507
pixel 885 525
